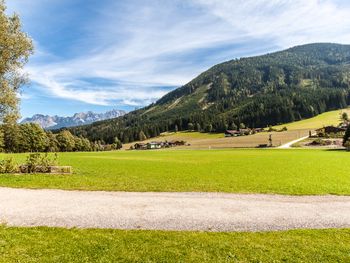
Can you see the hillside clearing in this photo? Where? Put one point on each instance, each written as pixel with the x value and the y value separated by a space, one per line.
pixel 300 172
pixel 324 119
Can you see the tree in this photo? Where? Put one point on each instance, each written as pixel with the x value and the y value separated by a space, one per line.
pixel 2 141
pixel 117 144
pixel 176 128
pixel 198 127
pixel 16 47
pixel 190 126
pixel 208 128
pixel 11 137
pixel 52 144
pixel 142 136
pixel 32 138
pixel 344 117
pixel 242 126
pixel 66 141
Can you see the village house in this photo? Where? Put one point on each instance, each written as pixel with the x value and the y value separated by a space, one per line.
pixel 157 145
pixel 232 133
pixel 154 145
pixel 241 132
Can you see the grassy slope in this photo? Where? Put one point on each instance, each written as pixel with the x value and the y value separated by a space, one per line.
pixel 244 171
pixel 327 118
pixel 60 245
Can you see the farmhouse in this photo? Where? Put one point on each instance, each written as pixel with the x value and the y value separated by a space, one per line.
pixel 154 145
pixel 157 145
pixel 232 133
pixel 241 132
pixel 140 146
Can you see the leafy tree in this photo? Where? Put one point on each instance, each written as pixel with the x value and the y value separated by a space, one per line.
pixel 117 144
pixel 86 145
pixel 52 144
pixel 2 140
pixel 11 137
pixel 66 141
pixel 16 47
pixel 32 138
pixel 242 126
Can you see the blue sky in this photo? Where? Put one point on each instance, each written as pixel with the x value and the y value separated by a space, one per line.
pixel 99 55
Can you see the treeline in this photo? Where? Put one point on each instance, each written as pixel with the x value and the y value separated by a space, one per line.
pixel 258 112
pixel 31 137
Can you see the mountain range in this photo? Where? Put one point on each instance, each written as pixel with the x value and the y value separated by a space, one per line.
pixel 82 118
pixel 275 88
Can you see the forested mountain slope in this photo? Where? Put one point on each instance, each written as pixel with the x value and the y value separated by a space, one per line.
pixel 281 87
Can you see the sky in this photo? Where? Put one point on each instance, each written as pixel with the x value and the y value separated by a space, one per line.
pixel 116 54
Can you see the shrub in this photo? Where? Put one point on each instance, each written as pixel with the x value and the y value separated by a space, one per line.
pixel 39 163
pixel 8 166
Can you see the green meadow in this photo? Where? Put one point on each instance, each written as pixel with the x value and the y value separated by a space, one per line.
pixel 75 245
pixel 324 119
pixel 296 172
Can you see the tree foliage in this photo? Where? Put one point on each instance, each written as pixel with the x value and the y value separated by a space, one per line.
pixel 15 49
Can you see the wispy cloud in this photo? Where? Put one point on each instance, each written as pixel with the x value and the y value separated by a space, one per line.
pixel 125 51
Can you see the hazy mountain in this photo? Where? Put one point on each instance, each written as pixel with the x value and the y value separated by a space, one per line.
pixel 275 88
pixel 82 118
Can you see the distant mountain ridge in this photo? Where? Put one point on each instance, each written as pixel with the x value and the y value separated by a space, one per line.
pixel 82 118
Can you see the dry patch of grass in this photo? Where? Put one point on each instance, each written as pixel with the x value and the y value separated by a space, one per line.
pixel 218 141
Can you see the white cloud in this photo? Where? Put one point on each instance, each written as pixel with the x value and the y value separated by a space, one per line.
pixel 139 47
pixel 288 22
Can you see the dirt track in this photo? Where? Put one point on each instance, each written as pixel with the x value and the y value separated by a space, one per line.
pixel 171 211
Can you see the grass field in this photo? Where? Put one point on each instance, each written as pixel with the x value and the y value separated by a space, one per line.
pixel 218 141
pixel 327 118
pixel 60 245
pixel 242 171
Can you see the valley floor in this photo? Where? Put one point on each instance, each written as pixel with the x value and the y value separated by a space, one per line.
pixel 266 171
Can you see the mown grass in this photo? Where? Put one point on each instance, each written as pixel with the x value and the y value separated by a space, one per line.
pixel 324 119
pixel 61 245
pixel 300 172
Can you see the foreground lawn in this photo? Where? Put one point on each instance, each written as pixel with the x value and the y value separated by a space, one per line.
pixel 243 171
pixel 60 245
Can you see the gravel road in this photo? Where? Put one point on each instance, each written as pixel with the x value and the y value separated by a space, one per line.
pixel 171 211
